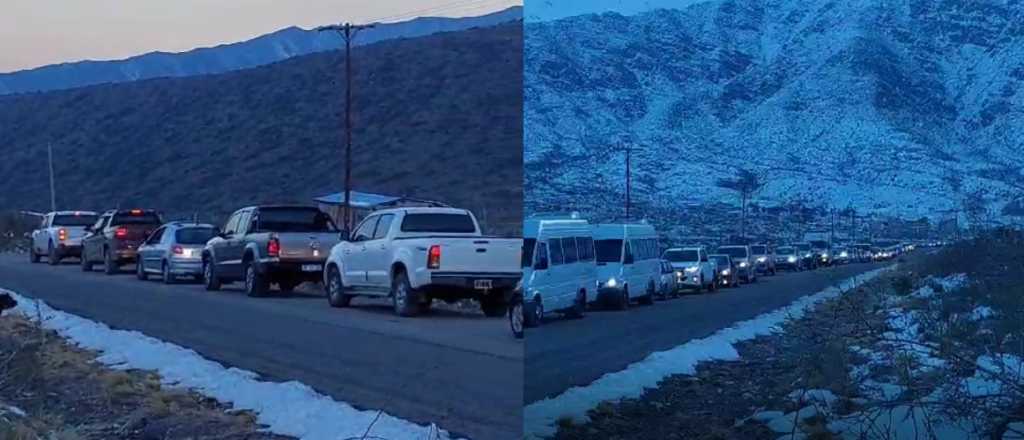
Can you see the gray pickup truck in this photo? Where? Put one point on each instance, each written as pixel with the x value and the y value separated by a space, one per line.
pixel 284 245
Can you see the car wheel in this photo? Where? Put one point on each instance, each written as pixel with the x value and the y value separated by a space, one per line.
pixel 210 279
pixel 140 271
pixel 714 285
pixel 515 319
pixel 579 306
pixel 86 265
pixel 493 305
pixel 168 277
pixel 336 295
pixel 110 266
pixel 33 257
pixel 425 305
pixel 622 302
pixel 648 297
pixel 51 255
pixel 533 313
pixel 403 297
pixel 700 284
pixel 256 284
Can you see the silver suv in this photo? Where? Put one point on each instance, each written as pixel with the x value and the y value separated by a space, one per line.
pixel 174 250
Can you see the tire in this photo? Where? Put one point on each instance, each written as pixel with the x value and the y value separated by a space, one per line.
pixel 33 257
pixel 85 263
pixel 515 320
pixel 714 286
pixel 425 305
pixel 288 286
pixel 336 295
pixel 647 299
pixel 110 266
pixel 622 302
pixel 700 284
pixel 533 313
pixel 168 277
pixel 210 279
pixel 256 284
pixel 140 272
pixel 403 297
pixel 493 305
pixel 579 306
pixel 51 255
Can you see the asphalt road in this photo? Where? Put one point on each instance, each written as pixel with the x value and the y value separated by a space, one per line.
pixel 564 353
pixel 463 372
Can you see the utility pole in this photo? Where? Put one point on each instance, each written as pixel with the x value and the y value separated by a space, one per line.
pixel 53 191
pixel 629 150
pixel 347 32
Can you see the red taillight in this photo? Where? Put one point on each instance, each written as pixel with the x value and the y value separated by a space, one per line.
pixel 121 232
pixel 62 234
pixel 136 212
pixel 177 249
pixel 273 247
pixel 434 257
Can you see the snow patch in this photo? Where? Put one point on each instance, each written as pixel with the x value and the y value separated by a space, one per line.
pixel 540 417
pixel 288 408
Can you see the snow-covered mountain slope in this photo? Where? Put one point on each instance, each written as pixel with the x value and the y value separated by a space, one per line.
pixel 259 51
pixel 905 107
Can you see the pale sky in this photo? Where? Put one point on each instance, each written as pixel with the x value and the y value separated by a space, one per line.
pixel 35 33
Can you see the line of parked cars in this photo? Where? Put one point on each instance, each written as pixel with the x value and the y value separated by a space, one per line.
pixel 570 264
pixel 412 255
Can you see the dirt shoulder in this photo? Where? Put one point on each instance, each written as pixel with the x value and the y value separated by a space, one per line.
pixel 902 356
pixel 50 389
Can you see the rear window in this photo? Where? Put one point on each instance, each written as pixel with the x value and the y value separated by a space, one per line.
pixel 680 256
pixel 144 218
pixel 295 220
pixel 194 235
pixel 608 251
pixel 439 223
pixel 785 251
pixel 735 252
pixel 760 250
pixel 74 220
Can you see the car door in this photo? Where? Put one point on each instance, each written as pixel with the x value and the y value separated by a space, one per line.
pixel 220 252
pixel 93 241
pixel 355 253
pixel 41 236
pixel 149 252
pixel 377 253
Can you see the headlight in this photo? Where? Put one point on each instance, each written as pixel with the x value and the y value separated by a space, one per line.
pixel 808 255
pixel 824 255
pixel 726 272
pixel 844 254
pixel 612 282
pixel 762 259
pixel 743 264
pixel 791 259
pixel 692 269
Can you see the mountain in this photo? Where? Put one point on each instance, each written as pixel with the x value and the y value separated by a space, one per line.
pixel 259 51
pixel 436 117
pixel 907 108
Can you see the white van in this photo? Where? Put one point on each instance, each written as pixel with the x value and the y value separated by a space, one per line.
pixel 628 263
pixel 559 272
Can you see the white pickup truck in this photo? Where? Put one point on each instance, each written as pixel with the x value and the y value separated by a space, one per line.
pixel 60 235
pixel 417 254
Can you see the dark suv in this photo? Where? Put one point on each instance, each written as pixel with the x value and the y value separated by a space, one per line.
pixel 115 238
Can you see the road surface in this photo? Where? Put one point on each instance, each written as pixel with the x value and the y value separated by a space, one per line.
pixel 564 353
pixel 460 371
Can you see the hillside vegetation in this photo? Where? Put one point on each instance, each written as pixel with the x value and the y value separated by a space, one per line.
pixel 436 117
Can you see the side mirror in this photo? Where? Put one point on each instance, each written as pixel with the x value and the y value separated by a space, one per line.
pixel 28 235
pixel 628 259
pixel 542 263
pixel 345 235
pixel 87 228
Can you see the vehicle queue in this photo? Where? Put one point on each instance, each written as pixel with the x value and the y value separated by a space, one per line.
pixel 570 265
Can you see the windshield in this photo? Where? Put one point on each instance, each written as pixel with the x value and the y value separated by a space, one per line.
pixel 295 220
pixel 439 223
pixel 759 250
pixel 785 251
pixel 681 255
pixel 819 244
pixel 74 220
pixel 608 251
pixel 734 251
pixel 528 245
pixel 198 235
pixel 721 260
pixel 145 218
pixel 803 247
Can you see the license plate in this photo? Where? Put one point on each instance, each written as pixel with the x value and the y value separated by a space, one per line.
pixel 482 284
pixel 312 268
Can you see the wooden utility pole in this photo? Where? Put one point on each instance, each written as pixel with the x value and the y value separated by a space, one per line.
pixel 629 150
pixel 53 190
pixel 348 32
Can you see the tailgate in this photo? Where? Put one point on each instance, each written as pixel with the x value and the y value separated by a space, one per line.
pixel 135 233
pixel 480 255
pixel 306 246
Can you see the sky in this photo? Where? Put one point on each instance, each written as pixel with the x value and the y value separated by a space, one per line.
pixel 36 33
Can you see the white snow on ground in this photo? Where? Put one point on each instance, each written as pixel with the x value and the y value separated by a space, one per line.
pixel 288 408
pixel 540 417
